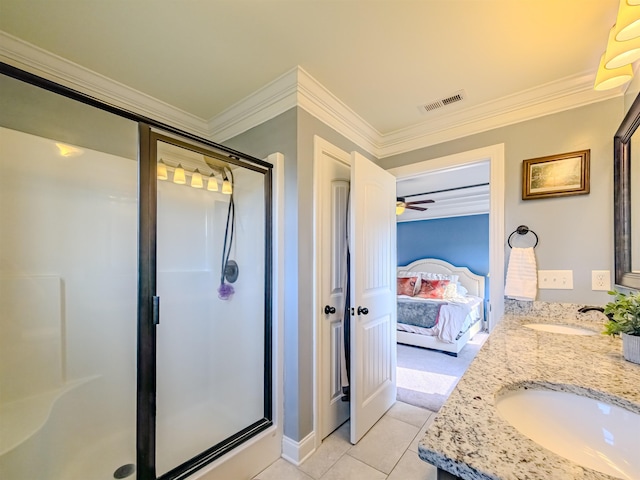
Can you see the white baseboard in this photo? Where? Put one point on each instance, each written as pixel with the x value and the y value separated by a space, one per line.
pixel 297 452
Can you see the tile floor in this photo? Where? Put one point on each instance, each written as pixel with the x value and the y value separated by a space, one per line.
pixel 389 451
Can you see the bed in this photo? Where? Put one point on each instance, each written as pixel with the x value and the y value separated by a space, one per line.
pixel 445 323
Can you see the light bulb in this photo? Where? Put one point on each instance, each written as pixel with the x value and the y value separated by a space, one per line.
pixel 226 187
pixel 212 183
pixel 161 170
pixel 196 179
pixel 178 175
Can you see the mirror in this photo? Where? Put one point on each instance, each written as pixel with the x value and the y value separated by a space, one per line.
pixel 626 195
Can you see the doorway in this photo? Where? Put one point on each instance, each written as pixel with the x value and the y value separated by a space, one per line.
pixel 354 206
pixel 494 155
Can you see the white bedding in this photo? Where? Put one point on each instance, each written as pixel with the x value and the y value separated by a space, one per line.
pixel 456 315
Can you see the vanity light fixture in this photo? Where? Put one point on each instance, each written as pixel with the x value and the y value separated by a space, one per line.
pixel 618 53
pixel 161 170
pixel 178 175
pixel 212 183
pixel 623 48
pixel 196 179
pixel 608 78
pixel 628 20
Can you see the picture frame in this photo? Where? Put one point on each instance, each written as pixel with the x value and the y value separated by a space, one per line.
pixel 556 175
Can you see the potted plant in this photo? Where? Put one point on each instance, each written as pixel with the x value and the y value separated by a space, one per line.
pixel 624 320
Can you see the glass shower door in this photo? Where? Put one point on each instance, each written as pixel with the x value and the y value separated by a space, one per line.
pixel 213 338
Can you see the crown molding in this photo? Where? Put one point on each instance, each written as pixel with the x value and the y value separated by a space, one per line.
pixel 297 88
pixel 326 107
pixel 28 57
pixel 564 94
pixel 262 105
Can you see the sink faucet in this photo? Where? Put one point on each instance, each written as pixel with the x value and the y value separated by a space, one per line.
pixel 588 308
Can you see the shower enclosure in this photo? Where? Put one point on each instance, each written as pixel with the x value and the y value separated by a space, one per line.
pixel 135 329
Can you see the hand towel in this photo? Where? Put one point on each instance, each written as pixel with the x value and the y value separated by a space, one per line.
pixel 522 275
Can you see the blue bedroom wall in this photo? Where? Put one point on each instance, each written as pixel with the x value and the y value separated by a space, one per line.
pixel 461 241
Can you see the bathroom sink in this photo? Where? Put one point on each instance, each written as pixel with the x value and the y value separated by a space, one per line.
pixel 557 328
pixel 591 433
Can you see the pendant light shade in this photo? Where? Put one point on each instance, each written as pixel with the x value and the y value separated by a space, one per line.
pixel 628 21
pixel 196 179
pixel 161 170
pixel 178 175
pixel 212 183
pixel 619 54
pixel 399 208
pixel 611 78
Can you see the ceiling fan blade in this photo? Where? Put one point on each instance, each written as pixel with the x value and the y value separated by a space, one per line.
pixel 420 201
pixel 420 209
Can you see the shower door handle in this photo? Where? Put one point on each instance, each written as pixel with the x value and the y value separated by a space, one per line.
pixel 155 309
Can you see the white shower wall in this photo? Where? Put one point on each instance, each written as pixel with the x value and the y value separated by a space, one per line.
pixel 68 257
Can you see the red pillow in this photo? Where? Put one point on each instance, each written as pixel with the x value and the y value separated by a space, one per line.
pixel 432 288
pixel 407 286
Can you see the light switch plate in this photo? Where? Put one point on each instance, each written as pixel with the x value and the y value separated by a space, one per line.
pixel 555 279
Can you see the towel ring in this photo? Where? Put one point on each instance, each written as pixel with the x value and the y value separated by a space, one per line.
pixel 522 230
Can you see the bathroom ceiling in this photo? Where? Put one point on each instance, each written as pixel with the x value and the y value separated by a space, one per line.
pixel 383 59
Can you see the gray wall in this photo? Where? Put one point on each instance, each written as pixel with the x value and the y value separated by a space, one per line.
pixel 291 133
pixel 576 232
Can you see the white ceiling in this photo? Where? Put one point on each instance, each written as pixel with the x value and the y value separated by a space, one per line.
pixel 378 60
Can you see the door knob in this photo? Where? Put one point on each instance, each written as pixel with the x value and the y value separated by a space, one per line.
pixel 329 310
pixel 363 310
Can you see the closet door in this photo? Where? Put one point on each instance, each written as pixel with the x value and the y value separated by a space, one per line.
pixel 373 287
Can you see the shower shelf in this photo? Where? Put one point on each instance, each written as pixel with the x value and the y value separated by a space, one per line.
pixel 21 419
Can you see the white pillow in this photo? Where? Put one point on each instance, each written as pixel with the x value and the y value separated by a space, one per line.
pixel 440 276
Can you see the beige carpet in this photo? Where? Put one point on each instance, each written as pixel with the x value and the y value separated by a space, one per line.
pixel 425 378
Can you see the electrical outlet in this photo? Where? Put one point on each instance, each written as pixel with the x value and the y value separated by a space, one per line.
pixel 600 280
pixel 555 279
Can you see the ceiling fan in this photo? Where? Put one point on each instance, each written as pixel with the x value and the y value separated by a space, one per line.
pixel 402 204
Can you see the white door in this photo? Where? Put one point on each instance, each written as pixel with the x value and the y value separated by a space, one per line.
pixel 372 243
pixel 333 195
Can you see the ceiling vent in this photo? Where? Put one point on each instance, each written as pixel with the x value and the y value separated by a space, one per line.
pixel 456 97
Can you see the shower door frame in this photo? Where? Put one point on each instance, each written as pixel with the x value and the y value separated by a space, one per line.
pixel 147 203
pixel 149 319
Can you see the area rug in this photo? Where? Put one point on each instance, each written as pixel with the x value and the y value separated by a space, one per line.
pixel 426 378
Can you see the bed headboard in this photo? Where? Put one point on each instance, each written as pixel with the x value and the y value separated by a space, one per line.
pixel 472 282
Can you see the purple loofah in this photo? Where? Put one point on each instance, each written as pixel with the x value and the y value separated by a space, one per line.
pixel 225 291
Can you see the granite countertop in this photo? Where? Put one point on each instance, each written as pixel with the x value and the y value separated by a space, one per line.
pixel 468 437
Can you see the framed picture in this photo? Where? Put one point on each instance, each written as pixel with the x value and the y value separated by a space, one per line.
pixel 556 175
